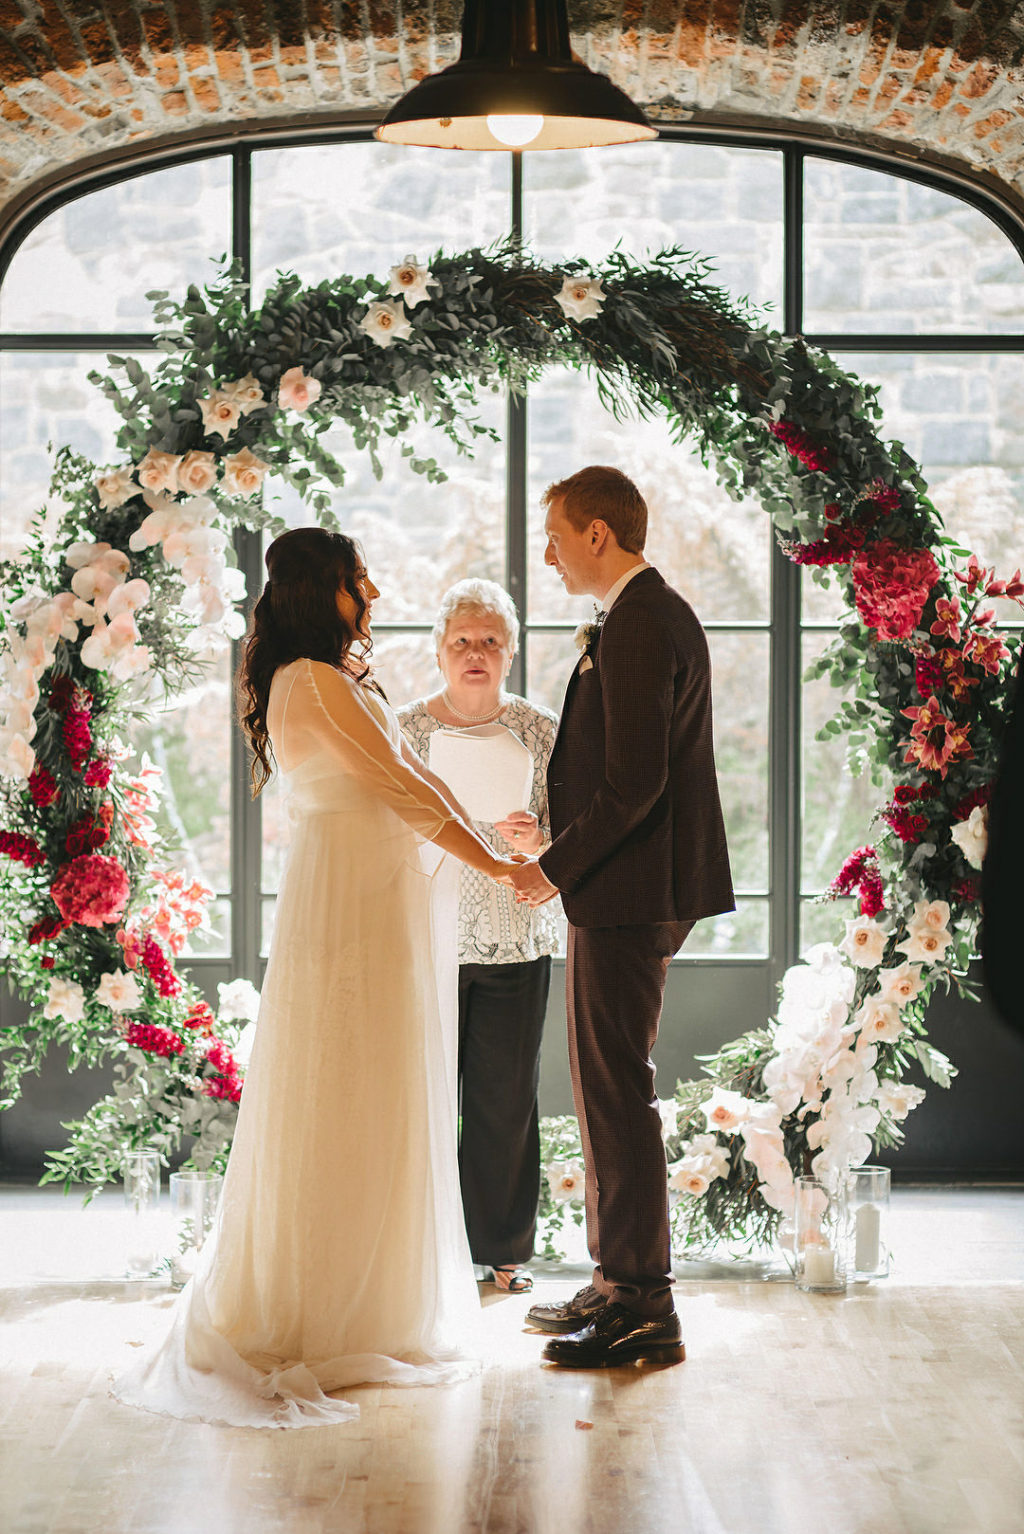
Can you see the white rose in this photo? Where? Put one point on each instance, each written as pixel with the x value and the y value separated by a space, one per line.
pixel 900 985
pixel 220 413
pixel 246 393
pixel 725 1110
pixel 297 391
pixel 878 1020
pixel 118 991
pixel 237 1000
pixel 580 298
pixel 65 999
pixel 933 914
pixel 385 321
pixel 971 835
pixel 197 472
pixel 243 473
pixel 897 1098
pixel 411 281
pixel 864 942
pixel 566 1181
pixel 159 471
pixel 926 945
pixel 114 487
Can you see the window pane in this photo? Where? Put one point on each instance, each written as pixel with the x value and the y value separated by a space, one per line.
pixel 740 932
pixel 191 742
pixel 740 685
pixel 711 548
pixel 360 208
pixel 837 807
pixel 724 203
pixel 884 254
pixel 47 397
pixel 822 922
pixel 418 537
pixel 91 263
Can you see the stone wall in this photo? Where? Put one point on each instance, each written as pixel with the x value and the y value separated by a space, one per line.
pixel 83 82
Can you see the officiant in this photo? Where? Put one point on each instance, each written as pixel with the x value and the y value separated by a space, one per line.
pixel 481 735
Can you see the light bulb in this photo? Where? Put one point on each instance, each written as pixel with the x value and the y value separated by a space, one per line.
pixel 515 132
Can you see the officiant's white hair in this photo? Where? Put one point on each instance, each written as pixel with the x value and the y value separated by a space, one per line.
pixel 475 598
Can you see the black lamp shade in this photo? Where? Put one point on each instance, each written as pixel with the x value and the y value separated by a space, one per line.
pixel 516 61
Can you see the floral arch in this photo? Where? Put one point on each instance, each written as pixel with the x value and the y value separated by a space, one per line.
pixel 140 577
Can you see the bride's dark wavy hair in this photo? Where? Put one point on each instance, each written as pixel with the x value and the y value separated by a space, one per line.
pixel 297 616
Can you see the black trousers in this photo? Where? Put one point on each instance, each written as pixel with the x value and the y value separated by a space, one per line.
pixel 615 982
pixel 501 1021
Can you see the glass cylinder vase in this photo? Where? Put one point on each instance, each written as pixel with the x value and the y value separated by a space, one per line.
pixel 817 1237
pixel 141 1172
pixel 195 1197
pixel 867 1221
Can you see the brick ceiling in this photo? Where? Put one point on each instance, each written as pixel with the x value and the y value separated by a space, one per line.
pixel 84 83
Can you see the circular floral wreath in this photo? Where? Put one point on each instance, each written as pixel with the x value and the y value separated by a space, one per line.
pixel 140 577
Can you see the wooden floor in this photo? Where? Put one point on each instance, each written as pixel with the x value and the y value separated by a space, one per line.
pixel 899 1407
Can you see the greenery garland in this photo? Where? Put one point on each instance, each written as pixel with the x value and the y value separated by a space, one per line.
pixel 92 934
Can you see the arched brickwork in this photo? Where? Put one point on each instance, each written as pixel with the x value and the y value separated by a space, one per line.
pixel 80 83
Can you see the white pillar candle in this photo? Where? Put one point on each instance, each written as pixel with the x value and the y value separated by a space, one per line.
pixel 819 1265
pixel 868 1228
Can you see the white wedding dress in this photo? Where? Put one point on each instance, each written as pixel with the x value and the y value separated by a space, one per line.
pixel 340 1255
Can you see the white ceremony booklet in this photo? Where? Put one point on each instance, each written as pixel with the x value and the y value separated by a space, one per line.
pixel 487 768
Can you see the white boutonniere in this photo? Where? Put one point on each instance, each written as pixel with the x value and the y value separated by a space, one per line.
pixel 586 635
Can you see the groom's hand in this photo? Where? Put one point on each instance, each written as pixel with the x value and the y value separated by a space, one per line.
pixel 530 883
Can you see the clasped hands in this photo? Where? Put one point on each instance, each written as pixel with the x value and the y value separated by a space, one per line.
pixel 523 832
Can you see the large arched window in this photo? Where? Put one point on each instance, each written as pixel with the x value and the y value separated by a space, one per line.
pixel 916 285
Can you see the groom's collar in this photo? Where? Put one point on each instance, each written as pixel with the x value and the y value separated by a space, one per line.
pixel 622 582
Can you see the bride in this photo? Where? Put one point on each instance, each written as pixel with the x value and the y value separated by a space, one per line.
pixel 340 1255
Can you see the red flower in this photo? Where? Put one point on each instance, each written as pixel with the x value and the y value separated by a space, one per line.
pixel 860 872
pixel 47 962
pixel 85 836
pixel 838 547
pixel 92 890
pixel 42 785
pixel 159 970
pixel 891 586
pixel 97 774
pixel 43 931
pixel 927 675
pixel 967 890
pixel 905 794
pixel 201 1018
pixel 61 693
pixel 908 827
pixel 936 740
pixel 986 651
pixel 947 618
pixel 972 801
pixel 21 849
pixel 800 444
pixel 154 1039
pixel 886 497
pixel 77 737
pixel 955 678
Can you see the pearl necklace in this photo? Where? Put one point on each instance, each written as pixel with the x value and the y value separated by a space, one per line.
pixel 471 718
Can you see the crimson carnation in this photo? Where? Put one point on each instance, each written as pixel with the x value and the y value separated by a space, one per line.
pixel 21 849
pixel 908 827
pixel 159 971
pixel 77 737
pixel 891 586
pixel 91 890
pixel 154 1039
pixel 49 927
pixel 42 785
pixel 97 774
pixel 800 444
pixel 872 899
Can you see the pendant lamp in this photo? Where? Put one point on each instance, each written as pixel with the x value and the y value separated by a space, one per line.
pixel 516 86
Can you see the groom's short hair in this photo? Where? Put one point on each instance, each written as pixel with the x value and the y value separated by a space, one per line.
pixel 600 492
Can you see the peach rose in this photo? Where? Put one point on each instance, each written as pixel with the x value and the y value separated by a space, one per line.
pixel 220 413
pixel 159 471
pixel 297 391
pixel 197 472
pixel 243 473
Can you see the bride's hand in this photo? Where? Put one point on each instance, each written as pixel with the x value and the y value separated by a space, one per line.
pixel 502 870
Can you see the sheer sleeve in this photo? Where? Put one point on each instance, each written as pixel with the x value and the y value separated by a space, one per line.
pixel 323 709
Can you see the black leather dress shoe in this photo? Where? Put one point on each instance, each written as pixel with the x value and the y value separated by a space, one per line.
pixel 567 1315
pixel 618 1336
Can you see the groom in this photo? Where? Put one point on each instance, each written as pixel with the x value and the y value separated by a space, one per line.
pixel 638 854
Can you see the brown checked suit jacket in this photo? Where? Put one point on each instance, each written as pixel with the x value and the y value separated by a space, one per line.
pixel 636 821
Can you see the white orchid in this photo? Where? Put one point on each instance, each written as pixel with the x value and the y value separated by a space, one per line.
pixel 238 1000
pixel 118 991
pixel 897 1098
pixel 971 835
pixel 581 298
pixel 411 282
pixel 385 321
pixel 669 1114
